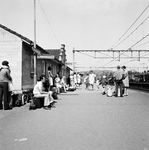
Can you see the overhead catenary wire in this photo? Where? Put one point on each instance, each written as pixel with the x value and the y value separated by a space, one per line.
pixel 139 41
pixel 48 22
pixel 142 44
pixel 114 46
pixel 132 32
pixel 129 35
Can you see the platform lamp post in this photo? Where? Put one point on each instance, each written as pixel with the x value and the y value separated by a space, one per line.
pixel 35 54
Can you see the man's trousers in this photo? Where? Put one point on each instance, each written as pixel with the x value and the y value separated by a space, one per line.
pixel 4 95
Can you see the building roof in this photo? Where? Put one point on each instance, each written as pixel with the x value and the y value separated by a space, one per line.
pixel 22 37
pixel 52 57
pixel 54 52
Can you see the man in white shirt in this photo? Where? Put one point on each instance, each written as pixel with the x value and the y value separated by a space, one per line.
pixel 39 92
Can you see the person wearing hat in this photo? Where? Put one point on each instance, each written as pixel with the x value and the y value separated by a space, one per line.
pixel 5 90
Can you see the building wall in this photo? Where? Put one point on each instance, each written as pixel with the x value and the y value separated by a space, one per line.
pixel 55 67
pixel 27 66
pixel 40 68
pixel 10 50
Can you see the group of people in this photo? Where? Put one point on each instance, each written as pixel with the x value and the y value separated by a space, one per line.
pixel 120 80
pixel 43 88
pixel 121 83
pixel 58 81
pixel 74 80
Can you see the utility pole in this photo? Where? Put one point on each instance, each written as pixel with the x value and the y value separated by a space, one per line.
pixel 73 60
pixel 35 55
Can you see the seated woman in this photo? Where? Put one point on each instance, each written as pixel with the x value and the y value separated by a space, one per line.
pixel 39 91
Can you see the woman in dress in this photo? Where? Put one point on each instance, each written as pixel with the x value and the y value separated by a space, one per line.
pixel 92 77
pixel 50 76
pixel 125 81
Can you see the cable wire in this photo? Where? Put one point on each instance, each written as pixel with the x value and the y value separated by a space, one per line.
pixel 130 26
pixel 139 41
pixel 132 32
pixel 48 22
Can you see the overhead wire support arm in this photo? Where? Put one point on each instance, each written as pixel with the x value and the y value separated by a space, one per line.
pixel 102 50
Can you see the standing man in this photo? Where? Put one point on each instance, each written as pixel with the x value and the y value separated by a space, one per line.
pixel 5 81
pixel 118 81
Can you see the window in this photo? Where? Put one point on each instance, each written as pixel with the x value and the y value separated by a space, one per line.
pixel 43 67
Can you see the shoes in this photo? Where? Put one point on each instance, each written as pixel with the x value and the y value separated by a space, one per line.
pixel 103 93
pixel 8 108
pixel 47 108
pixel 51 105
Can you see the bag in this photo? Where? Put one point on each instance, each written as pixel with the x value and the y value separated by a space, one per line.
pixel 32 105
pixel 54 95
pixel 109 92
pixel 17 99
pixel 18 103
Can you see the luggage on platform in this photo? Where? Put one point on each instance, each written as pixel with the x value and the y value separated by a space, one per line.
pixel 109 91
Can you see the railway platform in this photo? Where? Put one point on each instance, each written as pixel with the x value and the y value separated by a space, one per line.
pixel 81 120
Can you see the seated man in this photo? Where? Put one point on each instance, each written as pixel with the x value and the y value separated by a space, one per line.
pixel 39 92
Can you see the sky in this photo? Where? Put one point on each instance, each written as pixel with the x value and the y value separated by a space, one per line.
pixel 82 25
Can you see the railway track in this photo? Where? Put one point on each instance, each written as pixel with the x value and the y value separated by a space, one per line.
pixel 143 86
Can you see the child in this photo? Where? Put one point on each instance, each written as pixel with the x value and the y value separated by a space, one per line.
pixel 104 83
pixel 97 84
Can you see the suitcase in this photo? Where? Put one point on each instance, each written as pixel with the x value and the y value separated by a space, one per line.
pixel 39 102
pixel 36 103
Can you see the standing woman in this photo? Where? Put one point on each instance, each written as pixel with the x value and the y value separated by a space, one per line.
pixel 50 76
pixel 57 83
pixel 125 81
pixel 5 85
